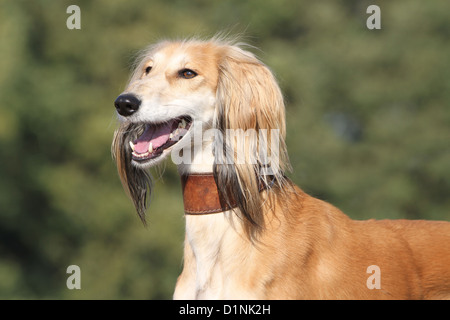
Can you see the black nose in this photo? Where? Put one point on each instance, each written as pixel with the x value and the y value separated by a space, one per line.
pixel 127 104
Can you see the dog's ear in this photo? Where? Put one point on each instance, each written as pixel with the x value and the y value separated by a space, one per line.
pixel 251 117
pixel 136 182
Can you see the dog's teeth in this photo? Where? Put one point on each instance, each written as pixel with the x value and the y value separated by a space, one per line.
pixel 150 147
pixel 140 155
pixel 132 146
pixel 171 136
pixel 183 123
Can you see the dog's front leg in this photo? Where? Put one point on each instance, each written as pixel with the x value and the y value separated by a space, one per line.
pixel 185 288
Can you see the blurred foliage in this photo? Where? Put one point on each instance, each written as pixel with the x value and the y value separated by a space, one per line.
pixel 368 127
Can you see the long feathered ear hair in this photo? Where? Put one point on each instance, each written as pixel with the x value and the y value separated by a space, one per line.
pixel 252 152
pixel 137 182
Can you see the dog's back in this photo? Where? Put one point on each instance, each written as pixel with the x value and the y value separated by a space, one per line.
pixel 342 258
pixel 428 243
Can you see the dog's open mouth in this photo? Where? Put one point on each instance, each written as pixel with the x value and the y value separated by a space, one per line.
pixel 158 137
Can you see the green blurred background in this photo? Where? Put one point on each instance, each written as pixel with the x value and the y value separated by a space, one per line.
pixel 368 115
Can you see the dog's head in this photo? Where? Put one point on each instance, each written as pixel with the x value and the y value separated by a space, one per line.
pixel 180 87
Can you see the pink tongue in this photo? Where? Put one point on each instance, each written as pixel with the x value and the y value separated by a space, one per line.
pixel 157 135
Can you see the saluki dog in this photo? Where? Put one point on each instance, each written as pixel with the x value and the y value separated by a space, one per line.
pixel 251 233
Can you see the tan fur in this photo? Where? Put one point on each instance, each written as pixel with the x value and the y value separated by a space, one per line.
pixel 279 243
pixel 311 250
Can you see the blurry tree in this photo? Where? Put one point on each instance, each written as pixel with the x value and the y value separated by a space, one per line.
pixel 368 127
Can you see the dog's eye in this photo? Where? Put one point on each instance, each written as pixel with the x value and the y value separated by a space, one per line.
pixel 147 70
pixel 187 73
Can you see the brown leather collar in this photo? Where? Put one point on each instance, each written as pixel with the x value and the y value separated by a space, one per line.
pixel 201 195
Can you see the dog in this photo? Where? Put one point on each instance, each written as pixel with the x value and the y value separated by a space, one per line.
pixel 251 233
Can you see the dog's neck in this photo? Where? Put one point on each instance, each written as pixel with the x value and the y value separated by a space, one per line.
pixel 211 239
pixel 205 233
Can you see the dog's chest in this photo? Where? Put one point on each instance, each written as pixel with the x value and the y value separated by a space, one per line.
pixel 219 253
